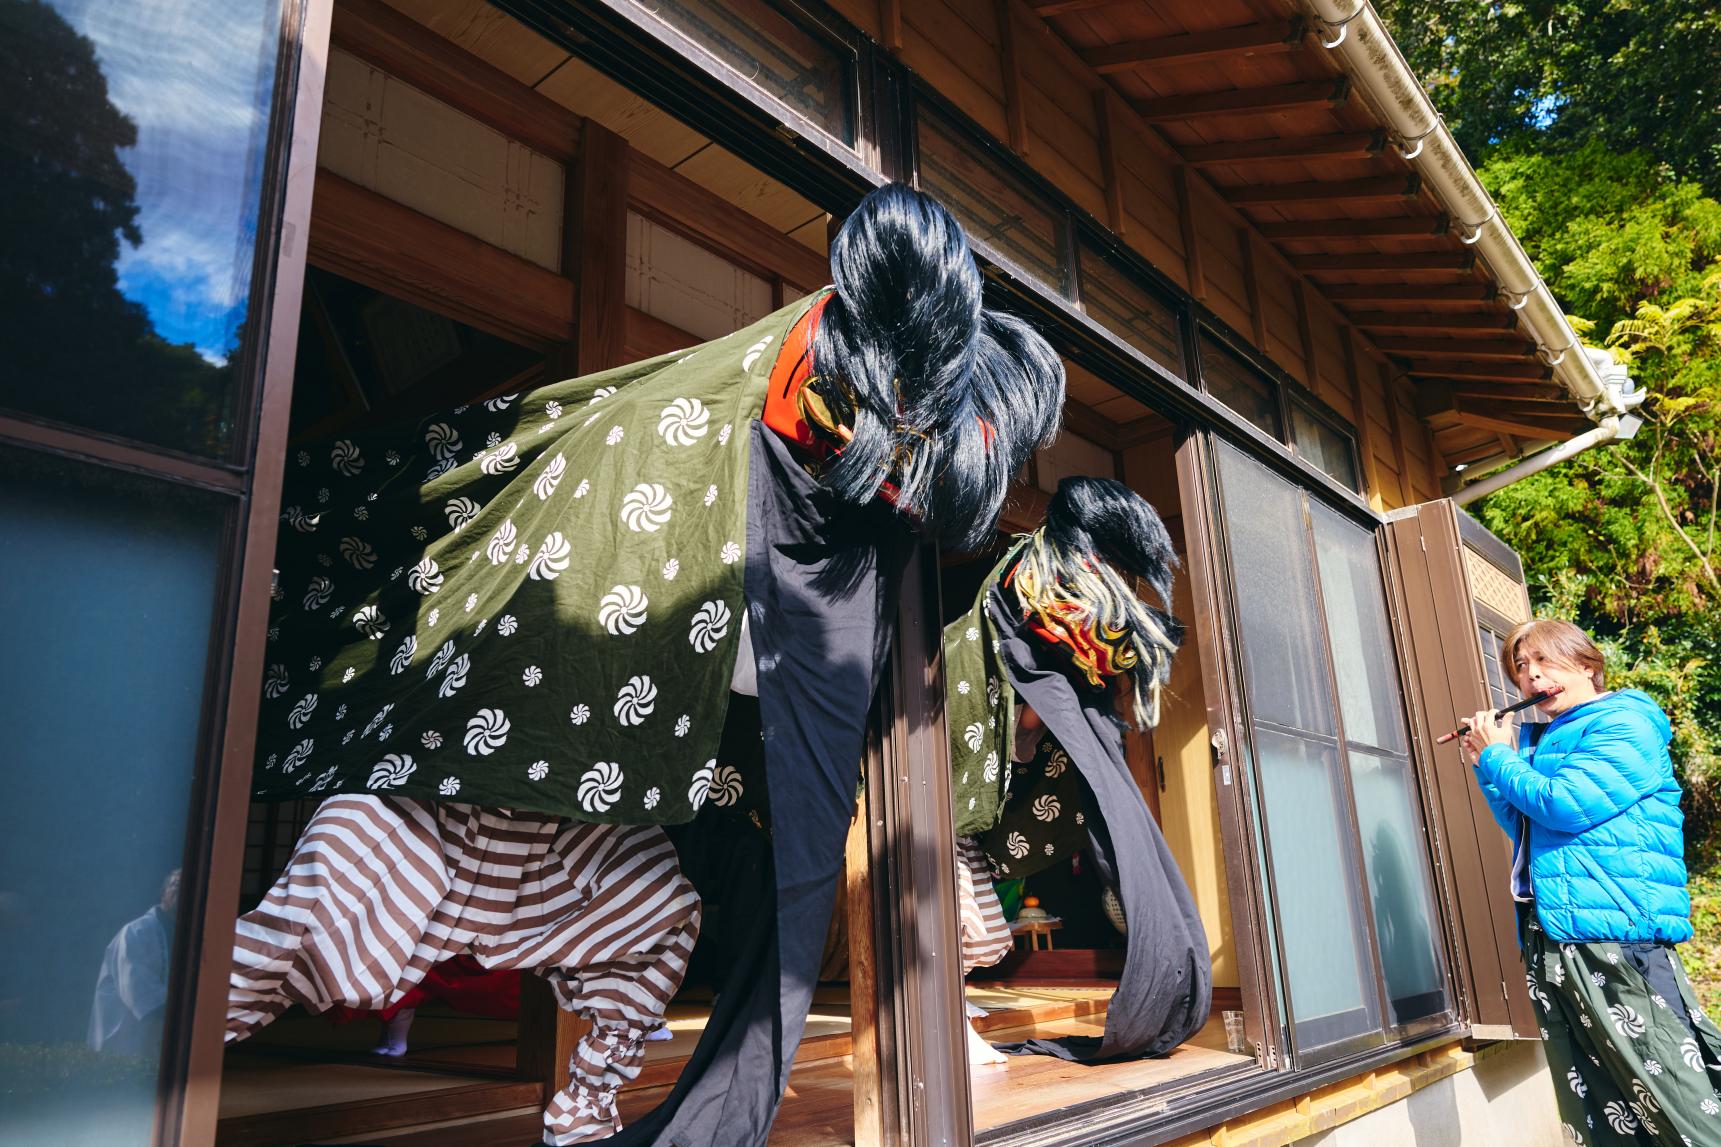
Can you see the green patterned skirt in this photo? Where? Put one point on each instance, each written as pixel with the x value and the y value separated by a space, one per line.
pixel 1627 1068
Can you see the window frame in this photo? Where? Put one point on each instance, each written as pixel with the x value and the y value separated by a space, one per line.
pixel 1387 1033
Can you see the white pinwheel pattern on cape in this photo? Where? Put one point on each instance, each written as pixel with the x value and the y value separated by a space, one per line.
pixel 551 477
pixel 622 610
pixel 700 787
pixel 391 772
pixel 636 700
pixel 425 577
pixel 551 560
pixel 646 508
pixel 683 422
pixel 726 787
pixel 710 625
pixel 600 786
pixel 486 732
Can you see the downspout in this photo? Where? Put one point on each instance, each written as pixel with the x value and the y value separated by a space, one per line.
pixel 1365 50
pixel 1606 431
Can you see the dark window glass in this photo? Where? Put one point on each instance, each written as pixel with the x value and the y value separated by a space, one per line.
pixel 773 52
pixel 1284 656
pixel 131 157
pixel 1010 219
pixel 364 355
pixel 106 585
pixel 1239 386
pixel 1328 449
pixel 1131 312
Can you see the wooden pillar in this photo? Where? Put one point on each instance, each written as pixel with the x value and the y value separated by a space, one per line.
pixel 1364 428
pixel 1010 63
pixel 594 256
pixel 594 251
pixel 863 981
pixel 1191 240
pixel 1252 287
pixel 1110 149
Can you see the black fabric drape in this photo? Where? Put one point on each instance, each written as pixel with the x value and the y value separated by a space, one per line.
pixel 1167 985
pixel 820 585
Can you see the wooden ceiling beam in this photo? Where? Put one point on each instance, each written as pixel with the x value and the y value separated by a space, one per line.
pixel 1522 425
pixel 1325 191
pixel 1541 395
pixel 1373 261
pixel 1456 323
pixel 1246 101
pixel 1393 227
pixel 1343 145
pixel 1477 294
pixel 1480 371
pixel 1510 350
pixel 1248 40
pixel 1060 7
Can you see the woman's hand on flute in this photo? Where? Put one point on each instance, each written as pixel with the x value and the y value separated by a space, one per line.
pixel 1485 729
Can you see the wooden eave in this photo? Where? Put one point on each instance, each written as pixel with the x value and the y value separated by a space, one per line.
pixel 1242 93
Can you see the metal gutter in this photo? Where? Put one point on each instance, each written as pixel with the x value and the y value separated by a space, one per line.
pixel 1353 32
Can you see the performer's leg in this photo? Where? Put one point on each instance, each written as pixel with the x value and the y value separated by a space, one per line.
pixel 341 923
pixel 985 934
pixel 616 955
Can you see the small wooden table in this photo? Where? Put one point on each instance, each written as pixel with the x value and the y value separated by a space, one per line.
pixel 1035 930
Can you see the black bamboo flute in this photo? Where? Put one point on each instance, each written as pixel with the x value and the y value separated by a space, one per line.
pixel 1532 699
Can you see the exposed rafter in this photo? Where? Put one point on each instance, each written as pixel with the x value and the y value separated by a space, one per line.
pixel 1457 322
pixel 1325 191
pixel 1246 101
pixel 1475 294
pixel 1249 40
pixel 1508 350
pixel 1480 371
pixel 1393 227
pixel 1278 149
pixel 1393 263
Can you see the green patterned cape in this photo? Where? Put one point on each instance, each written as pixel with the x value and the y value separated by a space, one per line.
pixel 530 602
pixel 980 713
pixel 1026 815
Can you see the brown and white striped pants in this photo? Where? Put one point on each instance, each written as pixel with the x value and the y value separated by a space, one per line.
pixel 985 934
pixel 381 889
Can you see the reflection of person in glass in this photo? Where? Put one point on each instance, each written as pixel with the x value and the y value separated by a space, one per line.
pixel 1591 805
pixel 131 988
pixel 1057 645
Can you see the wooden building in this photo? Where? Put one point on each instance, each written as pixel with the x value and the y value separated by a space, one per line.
pixel 1289 319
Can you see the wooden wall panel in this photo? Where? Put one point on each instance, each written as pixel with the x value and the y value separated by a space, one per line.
pixel 957 53
pixel 1279 302
pixel 1332 383
pixel 1221 262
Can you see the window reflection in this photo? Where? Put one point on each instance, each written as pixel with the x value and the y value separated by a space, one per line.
pixel 1141 319
pixel 106 589
pixel 1326 448
pixel 772 51
pixel 131 155
pixel 1237 385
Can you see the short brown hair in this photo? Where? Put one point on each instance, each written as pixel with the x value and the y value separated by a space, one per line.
pixel 1557 640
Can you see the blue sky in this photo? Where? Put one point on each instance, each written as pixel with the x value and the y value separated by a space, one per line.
pixel 194 75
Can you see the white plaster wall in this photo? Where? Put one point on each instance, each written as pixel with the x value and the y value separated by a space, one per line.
pixel 391 138
pixel 1507 1099
pixel 682 283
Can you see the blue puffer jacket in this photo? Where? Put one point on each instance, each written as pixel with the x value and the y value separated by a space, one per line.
pixel 1607 841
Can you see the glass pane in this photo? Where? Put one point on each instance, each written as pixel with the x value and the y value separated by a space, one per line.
pixel 1013 221
pixel 107 583
pixel 774 53
pixel 1131 312
pixel 1321 930
pixel 1399 885
pixel 1501 687
pixel 1326 448
pixel 1239 386
pixel 1284 656
pixel 1360 633
pixel 132 144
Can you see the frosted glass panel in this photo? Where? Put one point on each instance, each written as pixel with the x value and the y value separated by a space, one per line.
pixel 1360 632
pixel 1398 884
pixel 1283 653
pixel 107 583
pixel 1321 933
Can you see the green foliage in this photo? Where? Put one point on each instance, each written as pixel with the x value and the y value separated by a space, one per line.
pixel 1626 540
pixel 1624 74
